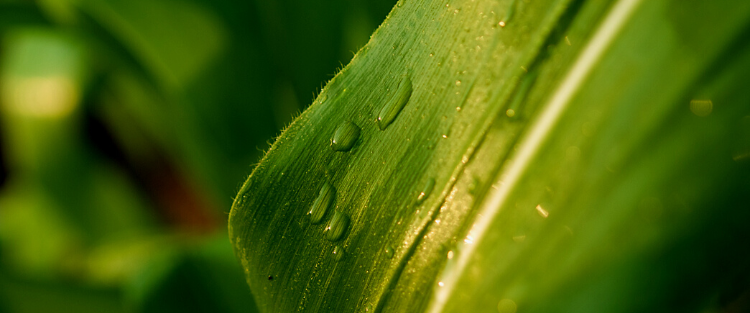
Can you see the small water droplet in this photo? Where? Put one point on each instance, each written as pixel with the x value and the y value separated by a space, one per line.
pixel 391 109
pixel 337 226
pixel 389 252
pixel 322 203
pixel 426 190
pixel 542 212
pixel 450 254
pixel 432 54
pixel 458 83
pixel 474 186
pixel 368 308
pixel 401 3
pixel 338 253
pixel 510 113
pixel 345 136
pixel 441 284
pixel 506 306
pixel 430 144
pixel 508 14
pixel 701 108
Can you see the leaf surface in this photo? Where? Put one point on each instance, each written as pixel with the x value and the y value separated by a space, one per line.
pixel 548 156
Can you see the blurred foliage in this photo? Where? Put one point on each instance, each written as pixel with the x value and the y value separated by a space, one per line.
pixel 126 127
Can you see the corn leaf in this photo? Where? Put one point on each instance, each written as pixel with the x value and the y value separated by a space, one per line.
pixel 530 156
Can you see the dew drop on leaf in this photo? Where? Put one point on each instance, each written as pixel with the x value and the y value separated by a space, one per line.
pixel 337 226
pixel 389 252
pixel 391 109
pixel 338 253
pixel 322 203
pixel 426 190
pixel 345 136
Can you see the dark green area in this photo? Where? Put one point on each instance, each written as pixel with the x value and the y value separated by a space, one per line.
pixel 126 129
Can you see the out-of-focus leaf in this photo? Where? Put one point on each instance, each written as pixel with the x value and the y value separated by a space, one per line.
pixel 551 156
pixel 163 34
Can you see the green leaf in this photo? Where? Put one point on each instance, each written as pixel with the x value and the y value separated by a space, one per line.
pixel 572 156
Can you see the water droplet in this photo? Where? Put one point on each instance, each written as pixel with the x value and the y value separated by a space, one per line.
pixel 322 203
pixel 542 212
pixel 426 190
pixel 521 92
pixel 345 136
pixel 389 252
pixel 441 284
pixel 458 83
pixel 368 308
pixel 430 144
pixel 508 14
pixel 506 306
pixel 338 253
pixel 473 186
pixel 396 104
pixel 450 254
pixel 337 226
pixel 401 3
pixel 701 107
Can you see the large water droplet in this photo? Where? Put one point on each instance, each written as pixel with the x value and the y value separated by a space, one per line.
pixel 391 109
pixel 426 190
pixel 338 253
pixel 337 226
pixel 322 203
pixel 345 136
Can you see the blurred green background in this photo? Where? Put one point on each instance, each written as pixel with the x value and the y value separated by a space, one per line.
pixel 126 128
